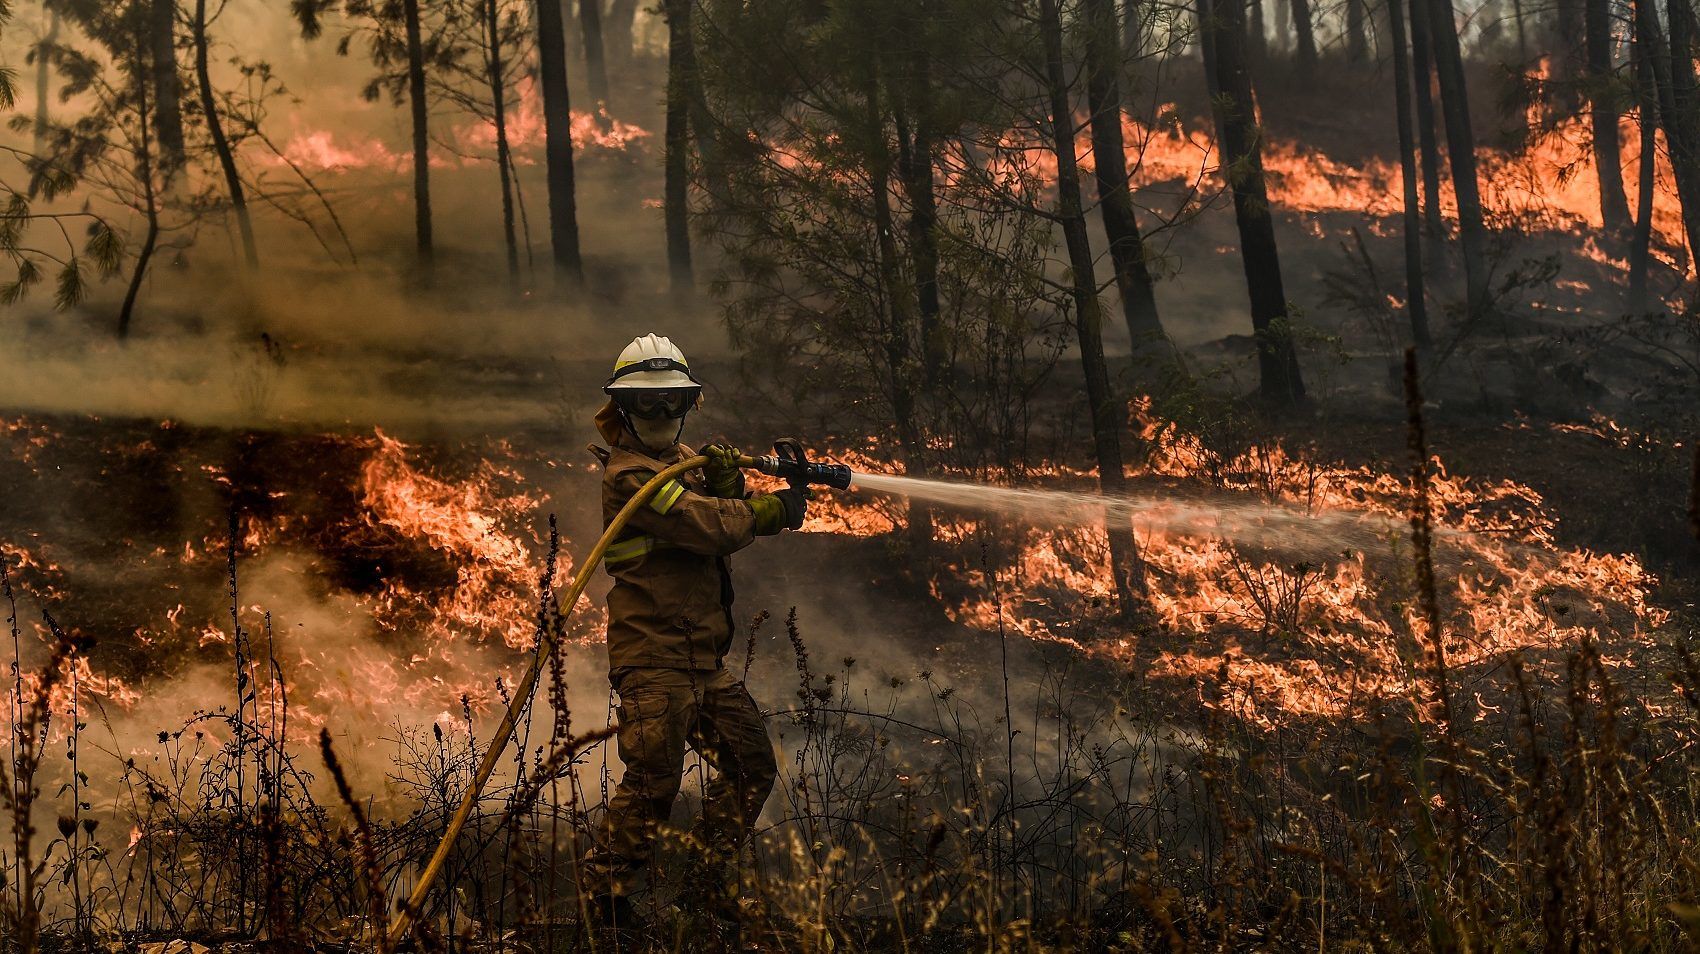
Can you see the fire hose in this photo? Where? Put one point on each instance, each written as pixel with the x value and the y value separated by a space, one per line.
pixel 788 462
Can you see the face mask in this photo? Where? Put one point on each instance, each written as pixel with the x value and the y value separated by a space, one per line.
pixel 659 434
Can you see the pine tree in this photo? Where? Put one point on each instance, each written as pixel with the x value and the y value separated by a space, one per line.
pixel 1222 29
pixel 396 37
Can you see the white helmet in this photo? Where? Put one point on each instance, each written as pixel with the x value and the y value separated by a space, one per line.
pixel 654 390
pixel 651 362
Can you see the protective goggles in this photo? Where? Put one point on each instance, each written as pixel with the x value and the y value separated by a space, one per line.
pixel 655 403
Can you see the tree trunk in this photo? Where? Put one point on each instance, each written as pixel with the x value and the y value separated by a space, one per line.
pixel 619 33
pixel 558 142
pixel 1357 41
pixel 1603 110
pixel 499 103
pixel 590 24
pixel 421 133
pixel 1304 35
pixel 1280 383
pixel 1646 119
pixel 1415 306
pixel 44 79
pixel 1522 32
pixel 1108 413
pixel 1422 67
pixel 167 86
pixel 916 167
pixel 145 171
pixel 675 198
pixel 1673 75
pixel 1257 36
pixel 1132 36
pixel 221 145
pixel 1569 62
pixel 1115 197
pixel 1460 149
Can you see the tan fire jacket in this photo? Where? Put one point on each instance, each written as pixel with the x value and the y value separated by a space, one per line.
pixel 671 605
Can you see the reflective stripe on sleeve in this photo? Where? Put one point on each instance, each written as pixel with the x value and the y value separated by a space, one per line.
pixel 667 496
pixel 627 550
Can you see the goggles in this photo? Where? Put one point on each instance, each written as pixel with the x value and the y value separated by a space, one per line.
pixel 653 404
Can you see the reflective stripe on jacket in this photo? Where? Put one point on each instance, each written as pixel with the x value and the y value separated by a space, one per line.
pixel 671 604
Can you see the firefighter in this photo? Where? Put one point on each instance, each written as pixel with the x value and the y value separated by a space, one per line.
pixel 669 628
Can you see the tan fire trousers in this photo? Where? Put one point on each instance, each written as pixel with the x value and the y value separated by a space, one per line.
pixel 660 712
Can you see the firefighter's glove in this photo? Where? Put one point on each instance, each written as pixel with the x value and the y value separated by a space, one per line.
pixel 725 478
pixel 781 510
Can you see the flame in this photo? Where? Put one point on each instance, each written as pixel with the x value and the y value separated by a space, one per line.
pixel 321 150
pixel 467 522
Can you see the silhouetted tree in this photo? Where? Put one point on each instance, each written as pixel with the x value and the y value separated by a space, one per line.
pixel 167 86
pixel 1109 163
pixel 1222 34
pixel 596 67
pixel 220 142
pixel 1460 148
pixel 558 141
pixel 681 64
pixel 1108 412
pixel 1415 306
pixel 50 177
pixel 619 32
pixel 1673 75
pixel 1304 35
pixel 1645 33
pixel 1603 93
pixel 1357 40
pixel 1422 71
pixel 395 34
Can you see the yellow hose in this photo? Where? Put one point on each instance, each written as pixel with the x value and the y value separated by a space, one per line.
pixel 522 695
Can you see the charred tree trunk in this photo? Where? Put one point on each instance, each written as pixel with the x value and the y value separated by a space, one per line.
pixel 421 133
pixel 220 144
pixel 1460 149
pixel 1422 72
pixel 1415 306
pixel 676 197
pixel 1304 35
pixel 1108 413
pixel 1280 383
pixel 1646 120
pixel 167 86
pixel 1603 111
pixel 558 141
pixel 1115 196
pixel 590 24
pixel 1673 74
pixel 1357 39
pixel 499 105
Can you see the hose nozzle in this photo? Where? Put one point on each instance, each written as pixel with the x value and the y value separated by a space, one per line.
pixel 789 461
